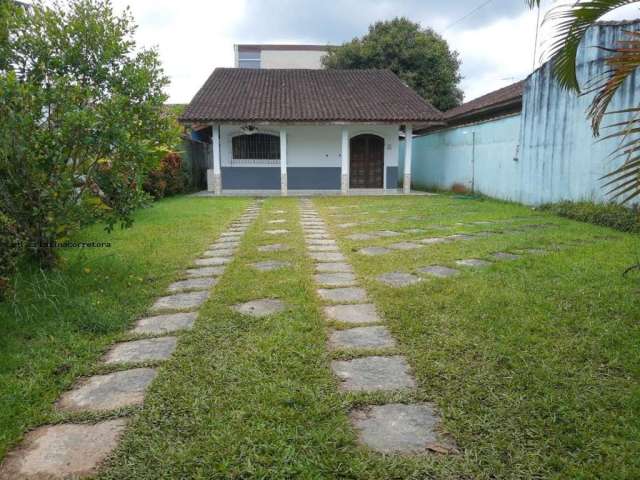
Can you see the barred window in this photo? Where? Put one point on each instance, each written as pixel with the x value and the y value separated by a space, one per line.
pixel 259 146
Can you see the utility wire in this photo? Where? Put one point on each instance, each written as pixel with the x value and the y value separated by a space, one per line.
pixel 464 17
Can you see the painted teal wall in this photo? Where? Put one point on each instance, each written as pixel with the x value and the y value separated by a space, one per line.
pixel 479 156
pixel 557 156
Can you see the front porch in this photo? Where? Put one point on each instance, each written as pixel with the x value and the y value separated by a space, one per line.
pixel 353 192
pixel 302 159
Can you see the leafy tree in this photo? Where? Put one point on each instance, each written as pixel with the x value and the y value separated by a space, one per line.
pixel 420 57
pixel 624 60
pixel 82 119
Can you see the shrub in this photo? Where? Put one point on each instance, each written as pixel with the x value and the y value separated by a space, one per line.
pixel 168 179
pixel 607 215
pixel 10 251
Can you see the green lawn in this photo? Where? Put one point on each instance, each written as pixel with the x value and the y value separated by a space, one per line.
pixel 533 363
pixel 60 322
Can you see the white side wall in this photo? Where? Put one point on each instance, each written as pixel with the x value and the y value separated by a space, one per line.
pixel 291 59
pixel 316 145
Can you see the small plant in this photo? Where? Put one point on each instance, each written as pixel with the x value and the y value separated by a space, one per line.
pixel 610 215
pixel 10 251
pixel 168 179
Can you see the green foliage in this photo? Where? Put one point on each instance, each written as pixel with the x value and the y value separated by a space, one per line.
pixel 168 179
pixel 607 215
pixel 82 120
pixel 10 252
pixel 420 57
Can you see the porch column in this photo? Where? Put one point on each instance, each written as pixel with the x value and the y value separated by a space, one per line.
pixel 408 143
pixel 214 176
pixel 344 182
pixel 283 161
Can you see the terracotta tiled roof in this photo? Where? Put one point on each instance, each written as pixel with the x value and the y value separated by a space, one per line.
pixel 297 95
pixel 494 100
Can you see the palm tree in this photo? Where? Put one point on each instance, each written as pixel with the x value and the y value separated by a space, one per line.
pixel 573 22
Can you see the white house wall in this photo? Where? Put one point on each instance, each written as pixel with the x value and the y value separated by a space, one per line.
pixel 313 157
pixel 291 58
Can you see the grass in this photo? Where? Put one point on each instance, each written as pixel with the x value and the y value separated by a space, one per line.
pixel 533 363
pixel 60 322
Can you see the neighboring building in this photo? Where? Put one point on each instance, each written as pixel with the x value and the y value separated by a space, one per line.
pixel 531 142
pixel 279 56
pixel 291 129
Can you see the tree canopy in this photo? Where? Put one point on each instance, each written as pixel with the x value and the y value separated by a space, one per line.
pixel 82 119
pixel 419 56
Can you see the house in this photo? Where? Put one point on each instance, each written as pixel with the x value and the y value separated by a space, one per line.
pixel 279 56
pixel 304 129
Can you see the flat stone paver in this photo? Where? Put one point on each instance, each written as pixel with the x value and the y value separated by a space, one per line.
pixel 415 230
pixel 274 247
pixel 399 428
pixel 433 240
pixel 212 261
pixel 398 279
pixel 180 301
pixel 361 337
pixel 372 374
pixel 202 283
pixel 439 271
pixel 360 236
pixel 260 308
pixel 374 251
pixel 460 236
pixel 220 252
pixel 356 314
pixel 276 232
pixel 405 246
pixel 386 233
pixel 327 256
pixel 505 256
pixel 63 451
pixel 333 267
pixel 204 272
pixel 270 265
pixel 235 235
pixel 278 220
pixel 335 279
pixel 348 294
pixel 473 262
pixel 162 324
pixel 108 392
pixel 322 248
pixel 147 350
pixel 321 241
pixel 348 225
pixel 317 235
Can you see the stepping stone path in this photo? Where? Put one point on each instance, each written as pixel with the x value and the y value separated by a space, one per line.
pixel 270 265
pixel 374 251
pixel 260 308
pixel 439 271
pixel 505 256
pixel 473 262
pixel 398 279
pixel 274 247
pixel 405 246
pixel 71 450
pixel 391 428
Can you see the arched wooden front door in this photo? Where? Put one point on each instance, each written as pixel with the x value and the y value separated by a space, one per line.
pixel 366 168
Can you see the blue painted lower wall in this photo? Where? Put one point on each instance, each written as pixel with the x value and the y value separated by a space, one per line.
pixel 250 178
pixel 298 178
pixel 392 177
pixel 313 178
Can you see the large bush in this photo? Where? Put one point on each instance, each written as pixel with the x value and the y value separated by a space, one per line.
pixel 82 119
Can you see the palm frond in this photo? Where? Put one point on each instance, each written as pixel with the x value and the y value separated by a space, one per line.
pixel 625 59
pixel 573 22
pixel 625 180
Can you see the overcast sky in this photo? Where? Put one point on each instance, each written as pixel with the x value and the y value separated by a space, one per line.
pixel 495 38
